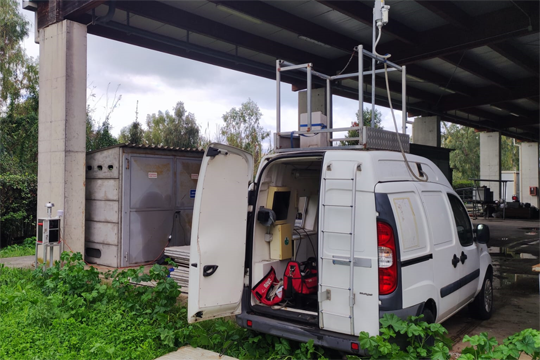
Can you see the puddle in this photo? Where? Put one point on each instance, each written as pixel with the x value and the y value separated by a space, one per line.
pixel 530 230
pixel 515 253
pixel 510 283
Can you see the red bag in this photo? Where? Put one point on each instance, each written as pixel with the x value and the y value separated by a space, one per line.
pixel 301 278
pixel 268 290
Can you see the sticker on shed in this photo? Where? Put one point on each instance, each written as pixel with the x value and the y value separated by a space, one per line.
pixel 152 175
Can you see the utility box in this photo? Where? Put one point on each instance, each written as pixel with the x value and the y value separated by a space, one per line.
pixel 136 196
pixel 48 230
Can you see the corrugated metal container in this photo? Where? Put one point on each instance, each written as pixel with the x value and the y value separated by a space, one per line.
pixel 135 197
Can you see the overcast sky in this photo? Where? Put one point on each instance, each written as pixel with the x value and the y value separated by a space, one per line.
pixel 157 81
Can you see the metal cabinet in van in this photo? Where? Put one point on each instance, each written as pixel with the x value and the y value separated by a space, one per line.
pixel 384 242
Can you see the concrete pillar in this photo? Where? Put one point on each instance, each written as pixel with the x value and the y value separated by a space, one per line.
pixel 318 102
pixel 427 131
pixel 62 137
pixel 529 171
pixel 490 161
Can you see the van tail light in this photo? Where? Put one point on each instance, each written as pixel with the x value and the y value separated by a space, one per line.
pixel 387 258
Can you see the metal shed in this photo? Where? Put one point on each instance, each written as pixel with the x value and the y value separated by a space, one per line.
pixel 136 196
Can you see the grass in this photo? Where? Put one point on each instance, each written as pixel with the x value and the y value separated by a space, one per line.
pixel 28 247
pixel 68 312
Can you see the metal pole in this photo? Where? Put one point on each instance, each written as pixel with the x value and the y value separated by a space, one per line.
pixel 278 104
pixel 360 92
pixel 404 98
pixel 373 74
pixel 309 97
pixel 329 106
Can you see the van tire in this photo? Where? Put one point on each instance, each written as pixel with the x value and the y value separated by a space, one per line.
pixel 430 319
pixel 482 306
pixel 428 316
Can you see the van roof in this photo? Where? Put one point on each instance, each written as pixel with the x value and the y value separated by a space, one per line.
pixel 384 165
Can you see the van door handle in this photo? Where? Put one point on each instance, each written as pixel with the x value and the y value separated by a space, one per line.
pixel 463 257
pixel 455 261
pixel 209 270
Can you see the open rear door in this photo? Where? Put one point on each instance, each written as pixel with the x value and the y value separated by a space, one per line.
pixel 218 237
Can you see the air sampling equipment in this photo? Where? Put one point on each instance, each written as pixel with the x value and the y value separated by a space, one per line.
pixel 48 235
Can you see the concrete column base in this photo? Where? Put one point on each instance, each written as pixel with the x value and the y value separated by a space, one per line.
pixel 62 127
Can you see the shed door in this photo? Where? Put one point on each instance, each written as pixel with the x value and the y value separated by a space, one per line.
pixel 218 237
pixel 151 206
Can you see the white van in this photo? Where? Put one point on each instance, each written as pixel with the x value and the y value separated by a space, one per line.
pixel 384 243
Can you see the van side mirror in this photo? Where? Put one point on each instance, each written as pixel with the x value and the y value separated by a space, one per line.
pixel 482 234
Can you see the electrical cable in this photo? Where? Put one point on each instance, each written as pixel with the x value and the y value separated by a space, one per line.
pixel 299 244
pixel 377 42
pixel 523 11
pixel 451 77
pixel 348 62
pixel 311 242
pixel 397 132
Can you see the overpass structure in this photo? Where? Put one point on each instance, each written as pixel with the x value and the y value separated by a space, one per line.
pixel 474 63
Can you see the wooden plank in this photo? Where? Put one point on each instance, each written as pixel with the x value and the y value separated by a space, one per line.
pixel 189 353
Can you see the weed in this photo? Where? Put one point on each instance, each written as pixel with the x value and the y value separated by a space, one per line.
pixel 28 247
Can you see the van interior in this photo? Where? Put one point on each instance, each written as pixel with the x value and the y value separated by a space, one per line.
pixel 285 231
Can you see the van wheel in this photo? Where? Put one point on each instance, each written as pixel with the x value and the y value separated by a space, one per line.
pixel 428 316
pixel 482 306
pixel 430 319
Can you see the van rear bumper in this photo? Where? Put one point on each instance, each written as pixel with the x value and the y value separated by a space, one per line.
pixel 297 332
pixel 403 314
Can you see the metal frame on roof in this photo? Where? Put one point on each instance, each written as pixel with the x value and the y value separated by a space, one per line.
pixel 489 51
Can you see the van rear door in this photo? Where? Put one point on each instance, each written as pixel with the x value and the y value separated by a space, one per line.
pixel 348 253
pixel 218 237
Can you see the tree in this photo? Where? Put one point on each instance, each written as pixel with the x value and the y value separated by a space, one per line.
pixel 509 154
pixel 13 60
pixel 243 130
pixel 18 95
pixel 465 160
pixel 132 134
pixel 98 136
pixel 176 129
pixel 366 118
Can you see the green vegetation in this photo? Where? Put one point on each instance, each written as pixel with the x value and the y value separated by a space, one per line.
pixel 18 203
pixel 421 340
pixel 28 247
pixel 70 313
pixel 76 312
pixel 466 159
pixel 366 120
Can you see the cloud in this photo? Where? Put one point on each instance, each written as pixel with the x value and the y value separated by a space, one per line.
pixel 149 81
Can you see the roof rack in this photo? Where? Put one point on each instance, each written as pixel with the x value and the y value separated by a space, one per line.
pixel 368 137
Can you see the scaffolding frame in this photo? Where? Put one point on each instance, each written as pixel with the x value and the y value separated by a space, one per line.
pixel 282 66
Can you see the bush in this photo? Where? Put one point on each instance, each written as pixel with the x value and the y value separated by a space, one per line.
pixel 67 312
pixel 462 184
pixel 28 247
pixel 18 206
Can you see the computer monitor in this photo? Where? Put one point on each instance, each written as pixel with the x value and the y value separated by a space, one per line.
pixel 278 200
